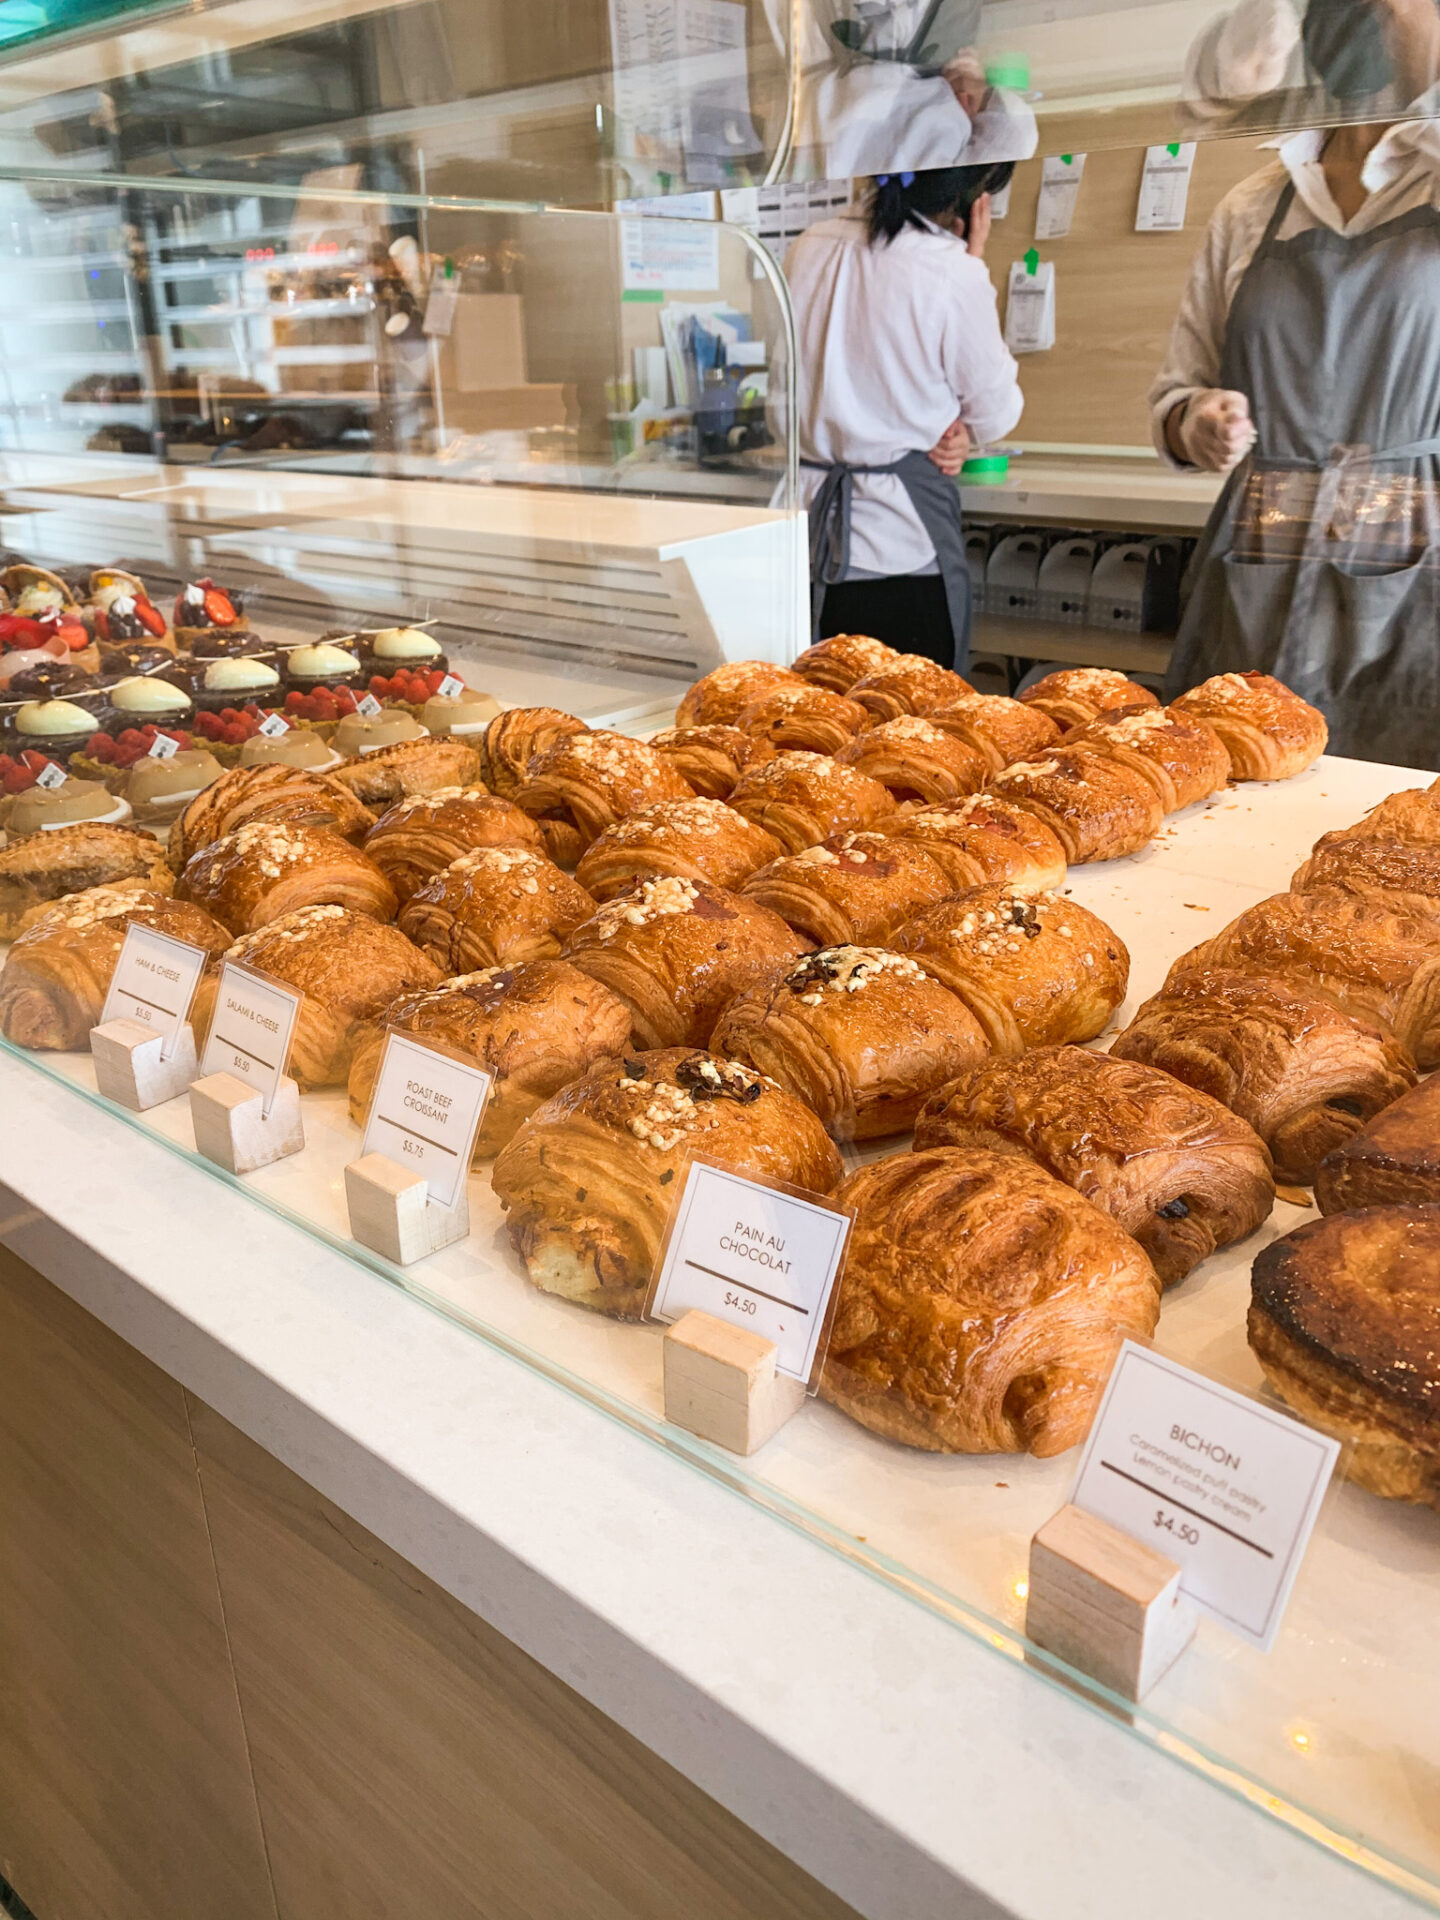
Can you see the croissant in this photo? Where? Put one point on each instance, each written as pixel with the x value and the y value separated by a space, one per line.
pixel 1096 808
pixel 270 867
pixel 494 907
pixel 43 867
pixel 590 1179
pixel 907 683
pixel 841 660
pixel 420 836
pixel 718 699
pixel 1401 874
pixel 997 727
pixel 1180 755
pixel 1303 1074
pixel 585 782
pixel 676 950
pixel 349 968
pixel 811 718
pixel 981 1305
pixel 1372 963
pixel 1269 732
pixel 533 1028
pixel 917 760
pixel 1075 695
pixel 802 798
pixel 512 739
pixel 57 974
pixel 859 1034
pixel 1035 969
pixel 1392 1161
pixel 854 888
pixel 709 759
pixel 692 839
pixel 271 792
pixel 984 838
pixel 1412 814
pixel 1181 1173
pixel 422 765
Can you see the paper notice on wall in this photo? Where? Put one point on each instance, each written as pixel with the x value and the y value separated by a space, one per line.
pixel 1059 190
pixel 1165 187
pixel 1030 306
pixel 669 256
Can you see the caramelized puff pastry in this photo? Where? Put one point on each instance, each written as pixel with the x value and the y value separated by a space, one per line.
pixel 422 765
pixel 709 759
pixel 348 966
pixel 1269 732
pixel 43 867
pixel 802 798
pixel 1393 1161
pixel 56 976
pixel 917 760
pixel 1096 808
pixel 907 683
pixel 271 867
pixel 1035 969
pixel 1076 695
pixel 859 1034
pixel 1303 1074
pixel 266 793
pixel 676 950
pixel 1181 755
pixel 852 888
pixel 494 907
pixel 513 738
pixel 591 1178
pixel 585 782
pixel 981 1305
pixel 984 839
pixel 841 660
pixel 1000 729
pixel 1403 875
pixel 691 839
pixel 533 1028
pixel 717 699
pixel 811 718
pixel 419 837
pixel 1177 1170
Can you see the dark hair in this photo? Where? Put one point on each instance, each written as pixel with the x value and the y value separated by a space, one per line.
pixel 910 199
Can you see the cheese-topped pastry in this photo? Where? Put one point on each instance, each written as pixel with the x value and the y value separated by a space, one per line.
pixel 852 887
pixel 494 906
pixel 697 839
pixel 802 798
pixel 1269 732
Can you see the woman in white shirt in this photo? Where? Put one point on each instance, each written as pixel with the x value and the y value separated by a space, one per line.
pixel 902 369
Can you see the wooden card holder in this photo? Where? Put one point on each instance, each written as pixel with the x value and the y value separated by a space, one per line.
pixel 233 1129
pixel 721 1383
pixel 392 1213
pixel 1106 1603
pixel 130 1067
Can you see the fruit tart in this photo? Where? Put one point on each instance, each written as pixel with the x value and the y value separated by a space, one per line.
pixel 200 607
pixel 121 610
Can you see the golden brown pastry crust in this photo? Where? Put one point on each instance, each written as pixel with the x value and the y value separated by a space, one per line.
pixel 1413 814
pixel 423 765
pixel 841 660
pixel 859 1034
pixel 811 718
pixel 1342 1319
pixel 512 739
pixel 1181 755
pixel 982 1304
pixel 44 867
pixel 57 974
pixel 266 793
pixel 999 728
pixel 585 782
pixel 854 888
pixel 533 1028
pixel 591 1178
pixel 1035 969
pixel 1303 1074
pixel 420 836
pixel 676 950
pixel 717 699
pixel 695 839
pixel 1372 963
pixel 918 759
pixel 1401 874
pixel 1076 695
pixel 709 759
pixel 1394 1160
pixel 802 798
pixel 1182 1174
pixel 1269 732
pixel 907 683
pixel 984 839
pixel 271 867
pixel 495 907
pixel 1096 808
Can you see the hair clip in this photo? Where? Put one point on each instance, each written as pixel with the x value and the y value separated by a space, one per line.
pixel 882 179
pixel 907 179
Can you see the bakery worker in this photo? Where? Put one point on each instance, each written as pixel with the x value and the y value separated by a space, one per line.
pixel 1304 363
pixel 902 369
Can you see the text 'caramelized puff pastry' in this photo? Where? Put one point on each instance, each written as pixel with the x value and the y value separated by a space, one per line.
pixel 1096 808
pixel 420 836
pixel 841 660
pixel 591 1178
pixel 1301 1072
pixel 1182 1174
pixel 709 759
pixel 533 1028
pixel 695 839
pixel 676 950
pixel 266 793
pixel 802 798
pixel 1394 1160
pixel 43 867
pixel 907 683
pixel 1181 755
pixel 494 907
pixel 584 782
pixel 853 887
pixel 270 867
pixel 917 760
pixel 982 839
pixel 1269 732
pixel 997 727
pixel 859 1034
pixel 810 718
pixel 512 740
pixel 1035 969
pixel 1075 695
pixel 982 1304
pixel 717 699
pixel 1343 1315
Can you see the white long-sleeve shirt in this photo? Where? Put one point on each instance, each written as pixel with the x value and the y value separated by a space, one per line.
pixel 894 343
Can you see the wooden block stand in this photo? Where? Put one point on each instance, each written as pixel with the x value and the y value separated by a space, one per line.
pixel 721 1383
pixel 130 1067
pixel 391 1211
pixel 233 1129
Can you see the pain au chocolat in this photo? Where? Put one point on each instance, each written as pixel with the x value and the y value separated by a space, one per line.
pixel 1394 1160
pixel 997 727
pixel 1269 732
pixel 982 839
pixel 695 839
pixel 44 867
pixel 266 793
pixel 709 759
pixel 852 888
pixel 811 718
pixel 423 765
pixel 513 738
pixel 906 683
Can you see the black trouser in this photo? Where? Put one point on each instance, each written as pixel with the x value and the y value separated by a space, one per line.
pixel 908 612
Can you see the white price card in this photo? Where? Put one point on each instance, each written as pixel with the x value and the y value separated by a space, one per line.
pixel 52 774
pixel 369 706
pixel 1228 1488
pixel 443 299
pixel 1060 176
pixel 154 982
pixel 251 1030
pixel 451 687
pixel 425 1113
pixel 163 747
pixel 755 1256
pixel 1165 187
pixel 273 725
pixel 1030 305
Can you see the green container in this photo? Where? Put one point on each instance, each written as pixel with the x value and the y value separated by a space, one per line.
pixel 1009 70
pixel 986 470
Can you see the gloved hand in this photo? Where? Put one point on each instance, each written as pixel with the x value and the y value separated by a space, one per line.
pixel 1212 430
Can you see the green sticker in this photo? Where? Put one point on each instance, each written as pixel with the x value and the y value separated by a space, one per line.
pixel 1032 262
pixel 1174 150
pixel 1067 159
pixel 643 296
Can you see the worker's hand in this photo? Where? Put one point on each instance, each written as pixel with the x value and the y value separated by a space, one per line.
pixel 1212 430
pixel 952 449
pixel 965 76
pixel 977 233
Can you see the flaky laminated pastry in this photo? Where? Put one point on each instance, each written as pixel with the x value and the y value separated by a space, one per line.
pixel 420 836
pixel 811 718
pixel 1096 808
pixel 917 759
pixel 423 765
pixel 841 660
pixel 853 887
pixel 270 867
pixel 709 759
pixel 584 782
pixel 802 798
pixel 907 683
pixel 512 740
pixel 997 727
pixel 44 867
pixel 718 699
pixel 493 907
pixel 1269 732
pixel 1394 1160
pixel 697 839
pixel 982 839
pixel 1181 755
pixel 266 793
pixel 1074 695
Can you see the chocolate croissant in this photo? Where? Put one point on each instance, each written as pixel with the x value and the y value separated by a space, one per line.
pixel 1403 875
pixel 1075 695
pixel 585 782
pixel 676 950
pixel 1303 1074
pixel 917 759
pixel 423 765
pixel 1181 755
pixel 982 1304
pixel 859 1034
pixel 810 718
pixel 907 683
pixel 533 1028
pixel 984 838
pixel 1096 808
pixel 1392 1161
pixel 854 888
pixel 1269 732
pixel 718 699
pixel 495 907
pixel 271 867
pixel 1182 1174
pixel 513 738
pixel 709 759
pixel 1035 969
pixel 802 798
pixel 591 1178
pixel 420 836
pixel 44 867
pixel 692 839
pixel 266 793
pixel 841 660
pixel 1000 729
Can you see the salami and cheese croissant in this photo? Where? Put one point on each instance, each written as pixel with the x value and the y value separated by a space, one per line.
pixel 419 837
pixel 494 907
pixel 585 782
pixel 984 838
pixel 271 867
pixel 1076 695
pixel 717 700
pixel 854 888
pixel 1269 732
pixel 1096 808
pixel 1180 755
pixel 841 660
pixel 917 759
pixel 692 839
pixel 802 798
pixel 999 728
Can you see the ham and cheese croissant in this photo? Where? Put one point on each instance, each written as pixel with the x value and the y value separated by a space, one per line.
pixel 1181 755
pixel 984 838
pixel 1096 808
pixel 718 699
pixel 1076 695
pixel 494 907
pixel 585 782
pixel 691 839
pixel 917 759
pixel 419 837
pixel 1269 732
pixel 802 798
pixel 271 867
pixel 998 728
pixel 841 660
pixel 854 888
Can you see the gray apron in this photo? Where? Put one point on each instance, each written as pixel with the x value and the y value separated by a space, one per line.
pixel 936 501
pixel 1321 559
